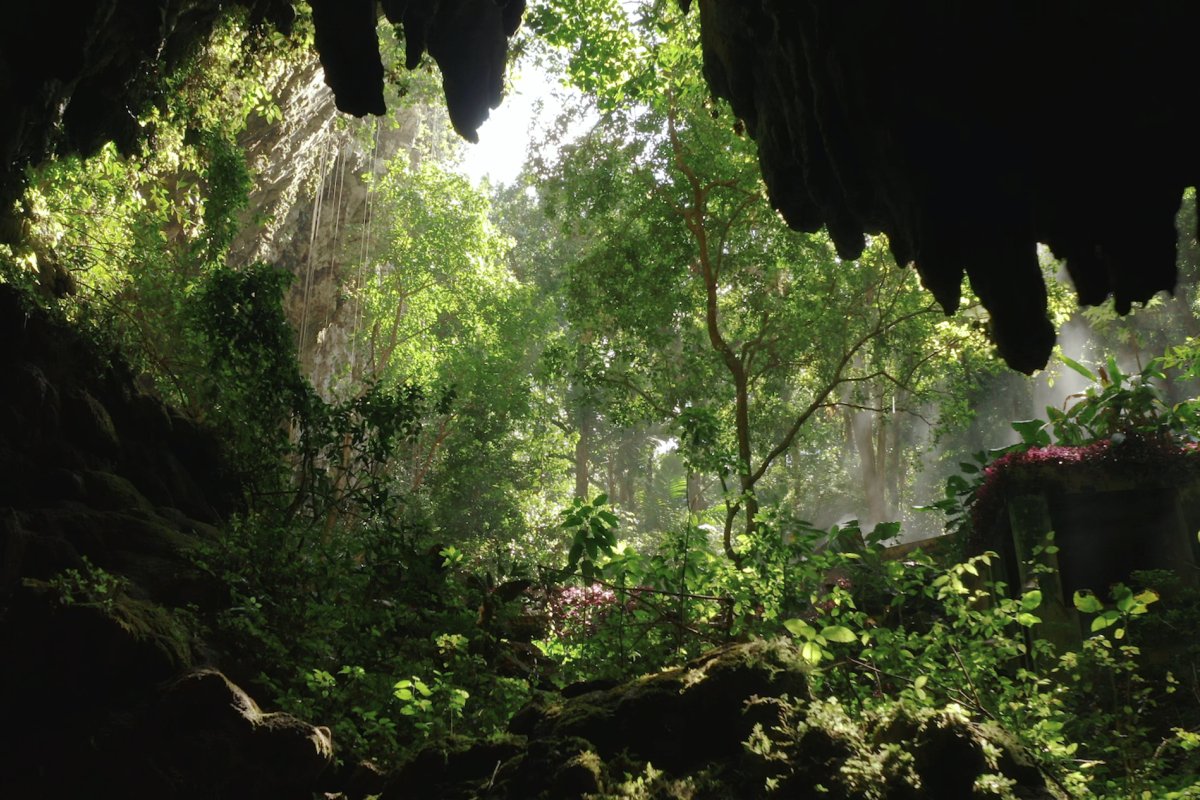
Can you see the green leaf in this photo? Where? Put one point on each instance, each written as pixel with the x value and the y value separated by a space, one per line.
pixel 1147 597
pixel 1114 372
pixel 1080 368
pixel 1032 432
pixel 811 652
pixel 1028 620
pixel 1031 600
pixel 839 633
pixel 798 627
pixel 1088 603
pixel 599 500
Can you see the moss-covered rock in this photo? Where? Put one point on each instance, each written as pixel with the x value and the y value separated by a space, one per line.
pixel 100 490
pixel 735 723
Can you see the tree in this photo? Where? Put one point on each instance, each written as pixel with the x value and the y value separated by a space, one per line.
pixel 705 308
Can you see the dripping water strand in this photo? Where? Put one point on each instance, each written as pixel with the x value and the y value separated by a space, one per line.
pixel 318 207
pixel 365 250
pixel 338 210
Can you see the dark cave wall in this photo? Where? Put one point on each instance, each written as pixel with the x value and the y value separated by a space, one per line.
pixel 969 132
pixel 75 76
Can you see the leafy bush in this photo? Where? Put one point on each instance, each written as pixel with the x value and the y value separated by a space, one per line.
pixel 1117 717
pixel 89 585
pixel 367 633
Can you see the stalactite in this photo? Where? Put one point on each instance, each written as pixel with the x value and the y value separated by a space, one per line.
pixel 969 133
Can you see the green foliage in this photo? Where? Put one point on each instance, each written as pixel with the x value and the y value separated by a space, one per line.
pixel 253 387
pixel 1117 408
pixel 1117 404
pixel 380 577
pixel 125 240
pixel 229 184
pixel 593 534
pixel 88 585
pixel 1103 720
pixel 595 40
pixel 689 307
pixel 378 635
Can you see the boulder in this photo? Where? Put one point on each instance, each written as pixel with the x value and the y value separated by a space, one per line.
pixel 736 722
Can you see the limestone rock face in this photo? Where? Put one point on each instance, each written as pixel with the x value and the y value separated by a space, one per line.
pixel 737 722
pixel 311 212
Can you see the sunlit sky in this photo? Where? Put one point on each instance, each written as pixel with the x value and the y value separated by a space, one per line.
pixel 505 138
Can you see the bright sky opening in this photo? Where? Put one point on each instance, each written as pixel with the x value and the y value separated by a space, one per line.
pixel 530 106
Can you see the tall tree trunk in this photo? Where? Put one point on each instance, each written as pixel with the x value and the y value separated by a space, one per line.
pixel 695 494
pixel 862 429
pixel 745 465
pixel 897 473
pixel 583 454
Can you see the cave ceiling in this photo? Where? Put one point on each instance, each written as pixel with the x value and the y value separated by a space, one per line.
pixel 968 132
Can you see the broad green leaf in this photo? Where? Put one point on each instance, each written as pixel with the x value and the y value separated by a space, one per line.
pixel 575 554
pixel 1032 432
pixel 798 627
pixel 839 633
pixel 1114 372
pixel 1031 600
pixel 1146 597
pixel 1088 603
